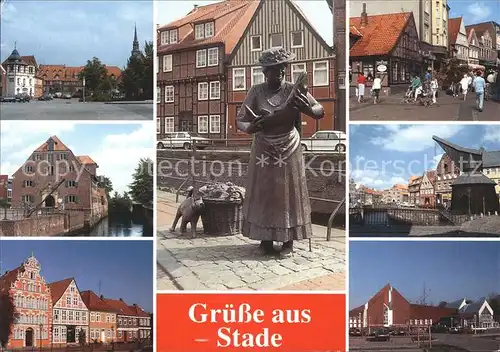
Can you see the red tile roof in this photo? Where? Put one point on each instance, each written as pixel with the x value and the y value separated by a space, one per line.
pixel 121 307
pixel 380 35
pixel 69 73
pixel 231 20
pixel 453 29
pixel 418 311
pixel 58 146
pixel 432 175
pixel 139 311
pixel 85 159
pixel 58 288
pixel 96 303
pixel 30 60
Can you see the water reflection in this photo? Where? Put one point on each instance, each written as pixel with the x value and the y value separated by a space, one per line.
pixel 121 227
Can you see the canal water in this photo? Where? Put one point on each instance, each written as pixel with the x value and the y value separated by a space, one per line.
pixel 120 226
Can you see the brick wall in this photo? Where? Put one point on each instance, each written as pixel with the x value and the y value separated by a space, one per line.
pixel 176 166
pixel 47 225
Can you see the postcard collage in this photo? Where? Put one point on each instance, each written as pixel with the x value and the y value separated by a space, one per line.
pixel 324 175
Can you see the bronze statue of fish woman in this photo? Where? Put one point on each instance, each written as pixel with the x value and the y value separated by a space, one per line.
pixel 277 206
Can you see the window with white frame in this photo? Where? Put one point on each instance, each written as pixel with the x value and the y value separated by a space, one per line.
pixel 276 39
pixel 215 90
pixel 297 69
pixel 167 63
pixel 257 76
pixel 203 91
pixel 173 36
pixel 204 30
pixel 202 124
pixel 164 37
pixel 209 29
pixel 157 64
pixel 239 79
pixel 158 125
pixel 320 73
pixel 213 56
pixel 169 94
pixel 158 94
pixel 169 125
pixel 256 43
pixel 214 123
pixel 298 39
pixel 201 58
pixel 199 31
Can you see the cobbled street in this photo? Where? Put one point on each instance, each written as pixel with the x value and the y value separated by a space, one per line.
pixel 447 108
pixel 232 262
pixel 72 109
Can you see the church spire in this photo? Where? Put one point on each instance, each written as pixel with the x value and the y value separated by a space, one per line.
pixel 135 45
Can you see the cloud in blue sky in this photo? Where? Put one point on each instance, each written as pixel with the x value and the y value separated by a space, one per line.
pixel 475 11
pixel 72 32
pixel 383 155
pixel 116 148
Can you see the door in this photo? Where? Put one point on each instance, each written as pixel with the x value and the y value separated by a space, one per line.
pixel 186 121
pixel 103 336
pixel 29 337
pixel 71 334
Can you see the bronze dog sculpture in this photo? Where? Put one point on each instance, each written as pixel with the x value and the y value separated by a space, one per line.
pixel 190 210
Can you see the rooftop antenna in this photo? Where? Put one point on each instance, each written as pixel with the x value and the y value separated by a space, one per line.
pixel 425 295
pixel 99 287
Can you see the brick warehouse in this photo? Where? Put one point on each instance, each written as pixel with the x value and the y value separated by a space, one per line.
pixel 39 180
pixel 207 63
pixel 389 308
pixel 42 323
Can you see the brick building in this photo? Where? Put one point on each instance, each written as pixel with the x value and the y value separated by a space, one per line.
pixel 102 323
pixel 4 186
pixel 389 308
pixel 489 44
pixel 446 173
pixel 70 314
pixel 397 194
pixel 208 62
pixel 33 302
pixel 414 189
pixel 54 177
pixel 129 324
pixel 143 321
pixel 389 40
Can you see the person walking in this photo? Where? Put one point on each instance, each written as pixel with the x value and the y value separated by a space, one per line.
pixel 479 87
pixel 415 86
pixel 361 87
pixel 377 86
pixel 434 88
pixel 464 84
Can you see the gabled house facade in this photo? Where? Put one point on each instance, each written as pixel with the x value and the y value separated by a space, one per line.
pixel 20 74
pixel 387 44
pixel 33 302
pixel 473 49
pixel 127 326
pixel 207 63
pixel 487 37
pixel 414 189
pixel 446 173
pixel 458 43
pixel 70 314
pixel 291 30
pixel 428 190
pixel 102 318
pixel 144 321
pixel 51 163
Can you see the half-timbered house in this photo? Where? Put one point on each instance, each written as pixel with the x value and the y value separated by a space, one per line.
pixel 386 44
pixel 207 61
pixel 70 314
pixel 32 299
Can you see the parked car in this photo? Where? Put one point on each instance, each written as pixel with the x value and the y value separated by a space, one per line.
pixel 45 98
pixel 184 140
pixel 381 335
pixel 325 141
pixel 23 98
pixel 354 332
pixel 67 96
pixel 58 95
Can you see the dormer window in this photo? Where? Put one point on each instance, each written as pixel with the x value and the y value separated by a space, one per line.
pixel 169 37
pixel 204 30
pixel 173 36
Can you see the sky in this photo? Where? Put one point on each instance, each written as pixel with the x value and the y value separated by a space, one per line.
pixel 450 270
pixel 384 155
pixel 317 12
pixel 61 32
pixel 125 268
pixel 475 11
pixel 116 148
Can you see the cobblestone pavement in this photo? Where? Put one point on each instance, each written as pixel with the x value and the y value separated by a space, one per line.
pixel 61 109
pixel 232 262
pixel 447 108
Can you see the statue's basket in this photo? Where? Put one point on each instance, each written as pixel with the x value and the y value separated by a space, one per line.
pixel 222 217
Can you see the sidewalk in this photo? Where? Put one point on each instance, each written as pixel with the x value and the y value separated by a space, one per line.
pixel 232 262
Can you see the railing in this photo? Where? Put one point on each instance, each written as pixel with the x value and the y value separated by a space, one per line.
pixel 230 144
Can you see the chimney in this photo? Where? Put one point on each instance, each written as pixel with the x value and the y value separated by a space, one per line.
pixel 195 7
pixel 121 299
pixel 364 16
pixel 135 305
pixel 102 296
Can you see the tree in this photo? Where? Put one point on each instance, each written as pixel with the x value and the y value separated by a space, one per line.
pixel 97 80
pixel 8 315
pixel 137 77
pixel 451 71
pixel 494 301
pixel 120 203
pixel 141 189
pixel 106 183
